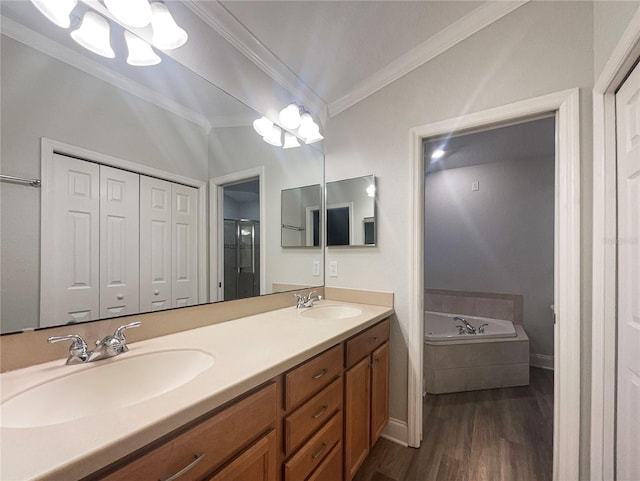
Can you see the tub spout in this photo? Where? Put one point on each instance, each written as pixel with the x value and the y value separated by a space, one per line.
pixel 468 327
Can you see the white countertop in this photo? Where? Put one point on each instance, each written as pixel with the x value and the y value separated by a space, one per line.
pixel 248 352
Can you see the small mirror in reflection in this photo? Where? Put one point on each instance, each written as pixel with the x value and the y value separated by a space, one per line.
pixel 301 226
pixel 351 212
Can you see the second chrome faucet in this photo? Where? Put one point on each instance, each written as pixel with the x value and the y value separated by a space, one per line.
pixel 110 346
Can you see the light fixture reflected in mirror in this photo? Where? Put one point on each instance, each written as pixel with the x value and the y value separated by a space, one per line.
pixel 94 35
pixel 135 13
pixel 437 154
pixel 290 141
pixel 140 52
pixel 58 11
pixel 262 126
pixel 274 136
pixel 167 35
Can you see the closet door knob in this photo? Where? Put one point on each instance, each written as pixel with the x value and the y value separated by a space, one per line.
pixel 156 292
pixel 120 296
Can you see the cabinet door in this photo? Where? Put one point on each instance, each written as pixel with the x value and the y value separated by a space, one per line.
pixel 155 244
pixel 379 391
pixel 257 463
pixel 184 263
pixel 70 252
pixel 119 242
pixel 356 416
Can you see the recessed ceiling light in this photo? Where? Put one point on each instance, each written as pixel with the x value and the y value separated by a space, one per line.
pixel 437 154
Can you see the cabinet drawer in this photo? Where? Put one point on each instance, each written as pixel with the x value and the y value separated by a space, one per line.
pixel 366 342
pixel 310 377
pixel 331 467
pixel 209 444
pixel 314 451
pixel 311 415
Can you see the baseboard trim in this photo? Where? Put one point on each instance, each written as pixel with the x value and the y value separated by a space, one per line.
pixel 541 360
pixel 396 431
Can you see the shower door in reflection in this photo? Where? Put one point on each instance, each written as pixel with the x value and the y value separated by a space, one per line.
pixel 241 258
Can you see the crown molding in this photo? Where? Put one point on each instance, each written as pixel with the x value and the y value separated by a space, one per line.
pixel 214 14
pixel 53 49
pixel 450 36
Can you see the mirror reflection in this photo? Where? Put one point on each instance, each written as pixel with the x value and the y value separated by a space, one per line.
pixel 350 212
pixel 301 207
pixel 131 161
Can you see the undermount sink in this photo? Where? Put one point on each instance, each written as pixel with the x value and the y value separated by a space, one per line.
pixel 114 384
pixel 331 312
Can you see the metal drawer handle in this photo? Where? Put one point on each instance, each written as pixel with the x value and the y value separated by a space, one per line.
pixel 317 453
pixel 199 457
pixel 373 340
pixel 318 375
pixel 323 409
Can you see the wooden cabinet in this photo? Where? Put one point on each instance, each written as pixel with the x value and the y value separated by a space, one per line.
pixel 366 400
pixel 256 463
pixel 207 446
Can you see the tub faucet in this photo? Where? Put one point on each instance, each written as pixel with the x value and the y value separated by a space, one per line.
pixel 468 327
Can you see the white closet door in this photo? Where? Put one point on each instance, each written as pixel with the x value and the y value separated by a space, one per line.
pixel 185 246
pixel 155 244
pixel 119 242
pixel 628 412
pixel 70 250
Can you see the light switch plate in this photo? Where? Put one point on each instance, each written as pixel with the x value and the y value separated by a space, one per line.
pixel 475 185
pixel 333 269
pixel 316 268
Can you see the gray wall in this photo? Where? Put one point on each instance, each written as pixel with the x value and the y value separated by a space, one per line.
pixel 496 239
pixel 42 97
pixel 610 19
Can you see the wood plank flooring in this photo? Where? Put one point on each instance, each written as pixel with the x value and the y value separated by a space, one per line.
pixel 492 435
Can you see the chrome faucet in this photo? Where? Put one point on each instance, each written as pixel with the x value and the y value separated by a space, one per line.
pixel 110 346
pixel 468 327
pixel 303 302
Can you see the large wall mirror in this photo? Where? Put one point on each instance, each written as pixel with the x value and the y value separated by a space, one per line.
pixel 202 190
pixel 351 212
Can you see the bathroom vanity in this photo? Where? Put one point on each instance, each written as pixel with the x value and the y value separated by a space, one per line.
pixel 291 395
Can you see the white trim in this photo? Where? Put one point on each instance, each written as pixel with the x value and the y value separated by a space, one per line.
pixel 53 49
pixel 216 236
pixel 474 21
pixel 396 431
pixel 567 266
pixel 604 317
pixel 541 360
pixel 48 147
pixel 233 31
pixel 310 209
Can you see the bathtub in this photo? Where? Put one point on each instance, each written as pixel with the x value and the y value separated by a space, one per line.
pixel 440 326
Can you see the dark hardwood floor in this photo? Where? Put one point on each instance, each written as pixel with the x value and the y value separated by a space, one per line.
pixel 492 435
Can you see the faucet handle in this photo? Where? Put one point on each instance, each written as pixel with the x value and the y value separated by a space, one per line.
pixel 120 331
pixel 78 348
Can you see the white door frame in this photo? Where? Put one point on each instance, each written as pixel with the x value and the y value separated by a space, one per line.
pixel 49 147
pixel 566 434
pixel 604 294
pixel 216 221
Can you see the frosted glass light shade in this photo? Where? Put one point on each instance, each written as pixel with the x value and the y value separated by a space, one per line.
pixel 309 130
pixel 274 136
pixel 290 141
pixel 58 11
pixel 94 35
pixel 140 52
pixel 167 35
pixel 290 117
pixel 313 136
pixel 135 13
pixel 262 126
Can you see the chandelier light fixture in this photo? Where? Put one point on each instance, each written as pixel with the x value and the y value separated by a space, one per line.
pixel 94 31
pixel 296 121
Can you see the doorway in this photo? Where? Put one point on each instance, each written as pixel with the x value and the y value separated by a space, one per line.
pixel 567 254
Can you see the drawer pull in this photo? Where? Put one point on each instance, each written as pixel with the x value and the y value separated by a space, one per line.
pixel 322 410
pixel 199 457
pixel 319 374
pixel 373 340
pixel 318 452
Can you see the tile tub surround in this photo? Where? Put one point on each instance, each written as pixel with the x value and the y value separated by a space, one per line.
pixel 471 303
pixel 273 341
pixel 455 366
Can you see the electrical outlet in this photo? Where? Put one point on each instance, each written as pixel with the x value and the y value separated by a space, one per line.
pixel 333 269
pixel 475 185
pixel 316 268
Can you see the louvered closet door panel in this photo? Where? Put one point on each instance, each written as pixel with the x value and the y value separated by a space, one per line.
pixel 185 246
pixel 119 242
pixel 70 233
pixel 155 244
